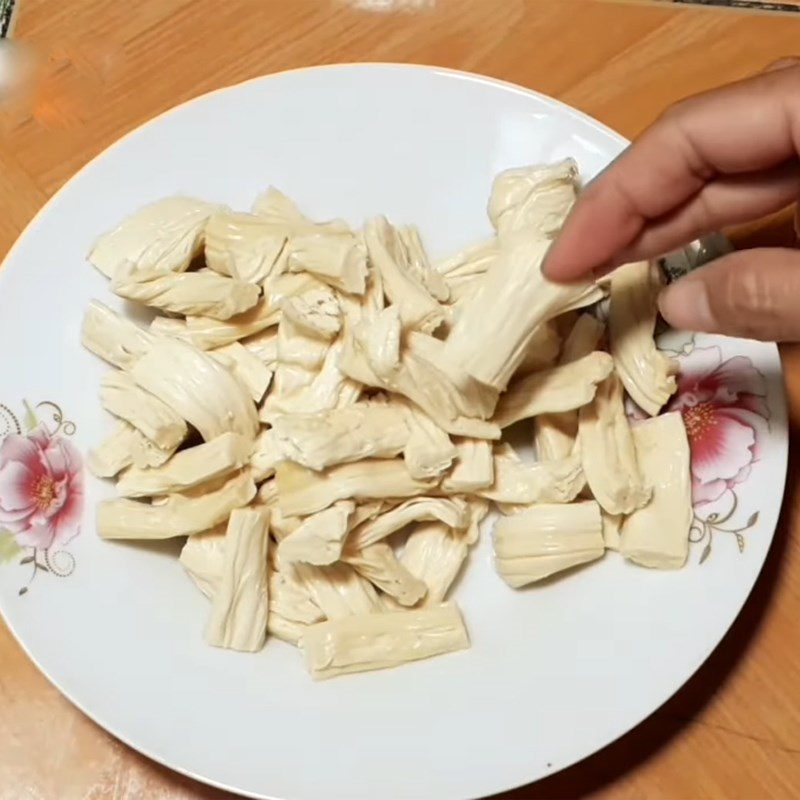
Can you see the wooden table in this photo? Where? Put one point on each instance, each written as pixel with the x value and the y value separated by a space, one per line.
pixel 734 730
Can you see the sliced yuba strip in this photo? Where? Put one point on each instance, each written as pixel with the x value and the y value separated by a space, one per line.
pixel 460 290
pixel 146 453
pixel 265 457
pixel 478 509
pixel 648 376
pixel 535 199
pixel 362 430
pixel 328 389
pixel 447 395
pixel 657 535
pixel 429 451
pixel 198 293
pixel 243 246
pixel 338 259
pixel 240 605
pixel 473 398
pixel 268 496
pixel 542 351
pixel 338 589
pixel 289 598
pixel 546 539
pixel 453 512
pixel 555 433
pixel 161 237
pixel 418 309
pixel 512 300
pixel 379 641
pixel 474 468
pixel 562 388
pixel 303 491
pixel 112 337
pixel 608 453
pixel 280 525
pixel 207 334
pixel 191 467
pixel 200 389
pixel 285 629
pixel 365 512
pixel 435 555
pixel 379 565
pixel 380 339
pixel 518 483
pixel 278 209
pixel 320 537
pixel 203 558
pixel 246 366
pixel 113 454
pixel 176 515
pixel 470 262
pixel 289 382
pixel 611 530
pixel 120 396
pixel 420 265
pixel 315 311
pixel 299 351
pixel 264 346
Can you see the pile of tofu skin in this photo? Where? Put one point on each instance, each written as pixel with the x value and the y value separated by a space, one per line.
pixel 322 414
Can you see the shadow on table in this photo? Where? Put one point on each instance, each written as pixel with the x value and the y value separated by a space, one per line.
pixel 601 770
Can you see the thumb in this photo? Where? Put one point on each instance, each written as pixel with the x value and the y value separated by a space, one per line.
pixel 754 294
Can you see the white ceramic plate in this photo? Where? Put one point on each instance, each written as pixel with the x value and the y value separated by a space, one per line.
pixel 555 672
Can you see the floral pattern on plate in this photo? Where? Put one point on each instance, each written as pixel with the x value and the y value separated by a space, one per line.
pixel 724 406
pixel 41 490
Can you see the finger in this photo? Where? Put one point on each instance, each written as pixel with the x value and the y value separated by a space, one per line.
pixel 752 294
pixel 745 127
pixel 727 201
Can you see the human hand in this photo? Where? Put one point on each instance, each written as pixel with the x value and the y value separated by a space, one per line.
pixel 720 158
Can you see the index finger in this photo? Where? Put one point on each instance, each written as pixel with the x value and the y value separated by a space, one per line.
pixel 744 127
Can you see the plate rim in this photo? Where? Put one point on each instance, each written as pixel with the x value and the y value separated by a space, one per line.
pixel 780 398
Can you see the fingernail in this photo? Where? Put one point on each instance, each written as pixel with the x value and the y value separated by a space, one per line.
pixel 685 305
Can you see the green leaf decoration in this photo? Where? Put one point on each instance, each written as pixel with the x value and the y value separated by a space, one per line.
pixel 753 519
pixel 23 590
pixel 30 417
pixel 8 546
pixel 706 552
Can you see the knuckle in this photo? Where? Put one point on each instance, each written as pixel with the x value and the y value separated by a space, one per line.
pixel 680 121
pixel 749 300
pixel 785 62
pixel 676 113
pixel 672 113
pixel 787 75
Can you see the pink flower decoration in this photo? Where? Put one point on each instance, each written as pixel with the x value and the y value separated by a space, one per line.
pixel 723 404
pixel 41 489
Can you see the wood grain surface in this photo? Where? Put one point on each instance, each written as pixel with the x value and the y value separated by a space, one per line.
pixel 105 66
